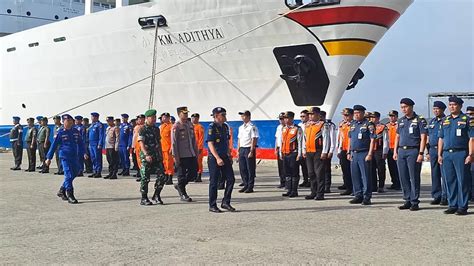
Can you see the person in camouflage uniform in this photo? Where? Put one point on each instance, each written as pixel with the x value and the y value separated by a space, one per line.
pixel 151 159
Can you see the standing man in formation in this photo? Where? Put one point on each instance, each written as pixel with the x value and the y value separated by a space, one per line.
pixel 247 145
pixel 112 135
pixel 409 150
pixel 88 161
pixel 278 132
pixel 43 143
pixel 136 144
pixel 165 130
pixel 185 152
pixel 438 185
pixel 219 160
pixel 304 117
pixel 392 163
pixel 470 113
pixel 291 152
pixel 57 126
pixel 30 140
pixel 96 143
pixel 455 154
pixel 331 148
pixel 362 139
pixel 199 133
pixel 343 150
pixel 316 143
pixel 69 142
pixel 125 145
pixel 82 130
pixel 381 147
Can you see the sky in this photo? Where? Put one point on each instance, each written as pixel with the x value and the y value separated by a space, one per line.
pixel 429 49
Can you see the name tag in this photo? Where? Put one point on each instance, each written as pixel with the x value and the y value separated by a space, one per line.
pixel 359 136
pixel 410 130
pixel 458 132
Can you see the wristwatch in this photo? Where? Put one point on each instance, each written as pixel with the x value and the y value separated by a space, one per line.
pixel 421 153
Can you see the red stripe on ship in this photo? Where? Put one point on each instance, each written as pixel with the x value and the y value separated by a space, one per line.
pixel 356 14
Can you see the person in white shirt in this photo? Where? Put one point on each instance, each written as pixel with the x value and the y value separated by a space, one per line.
pixel 304 116
pixel 247 144
pixel 281 170
pixel 332 150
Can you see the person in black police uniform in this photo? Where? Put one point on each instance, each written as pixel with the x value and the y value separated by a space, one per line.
pixel 30 140
pixel 409 150
pixel 88 161
pixel 438 186
pixel 16 140
pixel 470 113
pixel 219 159
pixel 455 154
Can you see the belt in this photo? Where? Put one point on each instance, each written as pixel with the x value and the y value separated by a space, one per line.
pixel 409 147
pixel 357 151
pixel 455 149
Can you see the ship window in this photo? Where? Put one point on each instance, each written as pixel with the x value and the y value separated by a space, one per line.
pixel 9 11
pixel 33 44
pixel 311 3
pixel 28 13
pixel 60 39
pixel 56 17
pixel 11 49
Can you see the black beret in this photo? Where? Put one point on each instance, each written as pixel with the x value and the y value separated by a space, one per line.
pixel 289 114
pixel 376 114
pixel 439 105
pixel 393 113
pixel 358 107
pixel 407 101
pixel 470 108
pixel 218 110
pixel 347 111
pixel 454 99
pixel 314 110
pixel 195 115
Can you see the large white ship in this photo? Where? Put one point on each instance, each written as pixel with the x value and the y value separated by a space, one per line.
pixel 266 56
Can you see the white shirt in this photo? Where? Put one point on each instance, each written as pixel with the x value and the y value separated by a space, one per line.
pixel 278 135
pixel 247 132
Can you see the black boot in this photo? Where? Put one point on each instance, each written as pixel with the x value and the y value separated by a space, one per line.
pixel 198 179
pixel 62 193
pixel 157 196
pixel 288 187
pixel 126 173
pixel 294 187
pixel 145 201
pixel 70 196
pixel 185 196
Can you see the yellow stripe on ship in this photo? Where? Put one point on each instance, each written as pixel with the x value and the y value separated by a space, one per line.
pixel 348 47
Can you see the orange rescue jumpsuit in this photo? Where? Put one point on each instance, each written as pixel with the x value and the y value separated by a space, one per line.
pixel 199 135
pixel 168 161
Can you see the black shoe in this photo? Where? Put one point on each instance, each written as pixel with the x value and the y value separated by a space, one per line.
pixel 241 185
pixel 146 202
pixel 227 207
pixel 215 209
pixel 414 207
pixel 304 184
pixel 380 190
pixel 293 195
pixel 91 176
pixel 366 202
pixel 126 173
pixel 281 186
pixel 242 190
pixel 342 187
pixel 450 211
pixel 57 173
pixel 346 193
pixel 287 194
pixel 70 197
pixel 319 198
pixel 107 176
pixel 327 191
pixel 39 167
pixel 30 170
pixel 250 190
pixel 80 174
pixel 444 202
pixel 310 197
pixel 157 198
pixel 435 201
pixel 186 198
pixel 97 176
pixel 43 171
pixel 461 212
pixel 16 168
pixel 62 193
pixel 121 173
pixel 138 179
pixel 356 201
pixel 113 177
pixel 405 206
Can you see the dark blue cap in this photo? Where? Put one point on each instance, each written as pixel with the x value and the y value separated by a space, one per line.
pixel 125 115
pixel 470 108
pixel 110 118
pixel 16 118
pixel 172 118
pixel 66 116
pixel 407 101
pixel 439 104
pixel 39 117
pixel 358 107
pixel 454 99
pixel 78 117
pixel 95 114
pixel 218 110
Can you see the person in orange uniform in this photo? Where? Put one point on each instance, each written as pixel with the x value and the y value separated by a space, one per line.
pixel 199 134
pixel 392 164
pixel 342 146
pixel 380 153
pixel 168 162
pixel 291 151
pixel 136 144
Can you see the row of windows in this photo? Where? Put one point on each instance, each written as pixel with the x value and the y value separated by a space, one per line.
pixel 34 44
pixel 28 13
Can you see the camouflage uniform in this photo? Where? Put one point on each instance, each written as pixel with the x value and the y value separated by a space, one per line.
pixel 150 135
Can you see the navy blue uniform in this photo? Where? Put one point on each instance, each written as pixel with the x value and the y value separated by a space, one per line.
pixel 456 133
pixel 219 135
pixel 360 134
pixel 71 147
pixel 96 143
pixel 438 185
pixel 82 131
pixel 125 143
pixel 410 131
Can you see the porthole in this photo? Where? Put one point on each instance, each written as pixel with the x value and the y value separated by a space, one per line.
pixel 56 17
pixel 28 13
pixel 9 11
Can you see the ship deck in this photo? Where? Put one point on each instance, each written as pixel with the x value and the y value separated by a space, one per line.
pixel 109 226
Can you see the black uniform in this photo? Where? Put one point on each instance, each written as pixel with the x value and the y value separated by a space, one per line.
pixel 16 140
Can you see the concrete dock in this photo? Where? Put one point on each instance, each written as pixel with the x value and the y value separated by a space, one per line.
pixel 110 227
